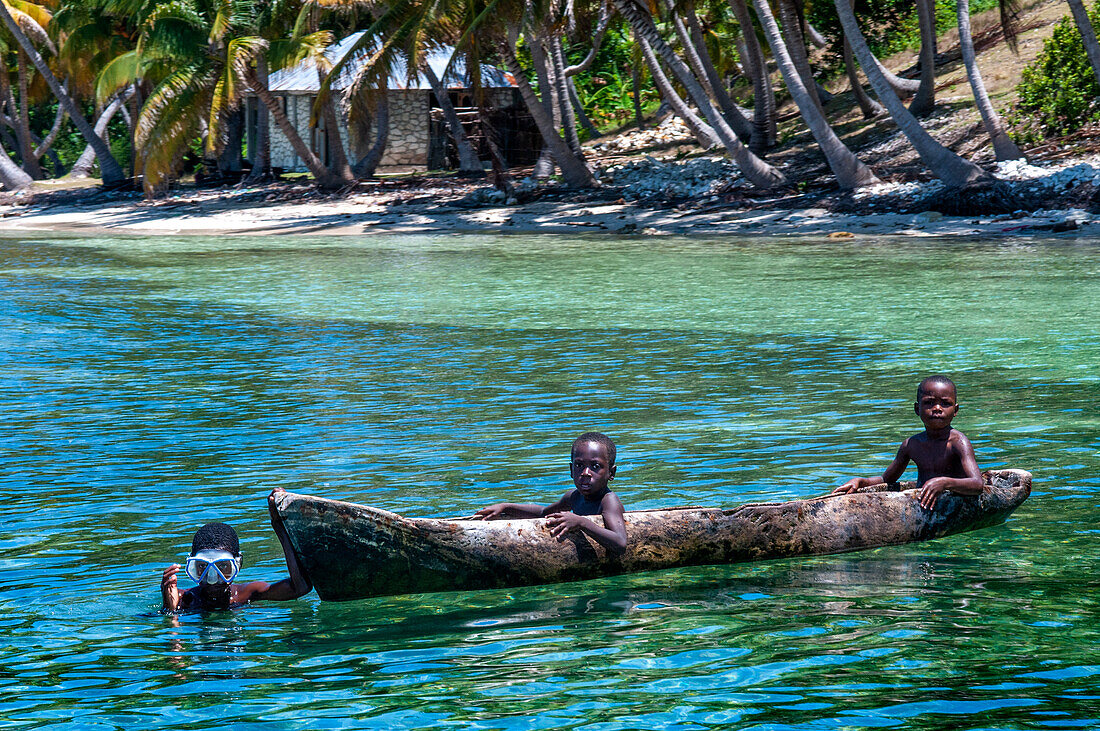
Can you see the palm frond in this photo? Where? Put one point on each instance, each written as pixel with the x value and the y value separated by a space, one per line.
pixel 34 30
pixel 169 120
pixel 122 71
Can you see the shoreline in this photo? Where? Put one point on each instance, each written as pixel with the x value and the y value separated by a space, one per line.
pixel 219 214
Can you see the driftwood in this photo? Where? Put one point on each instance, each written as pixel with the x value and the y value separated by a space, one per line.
pixel 353 551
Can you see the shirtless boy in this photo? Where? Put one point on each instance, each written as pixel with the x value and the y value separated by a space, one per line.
pixel 944 458
pixel 592 466
pixel 214 562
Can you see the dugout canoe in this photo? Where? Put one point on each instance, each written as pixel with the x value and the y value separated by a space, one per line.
pixel 354 551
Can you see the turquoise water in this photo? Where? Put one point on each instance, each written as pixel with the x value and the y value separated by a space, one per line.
pixel 149 385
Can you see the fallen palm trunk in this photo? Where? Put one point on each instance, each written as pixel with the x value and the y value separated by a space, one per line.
pixel 353 551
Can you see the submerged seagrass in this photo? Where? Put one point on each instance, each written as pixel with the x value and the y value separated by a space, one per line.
pixel 353 551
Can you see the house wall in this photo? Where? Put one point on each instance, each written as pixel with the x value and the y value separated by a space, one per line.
pixel 409 128
pixel 408 138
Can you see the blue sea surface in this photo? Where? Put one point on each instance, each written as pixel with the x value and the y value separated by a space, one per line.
pixel 150 385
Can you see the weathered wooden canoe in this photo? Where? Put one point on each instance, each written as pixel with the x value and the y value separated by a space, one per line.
pixel 352 551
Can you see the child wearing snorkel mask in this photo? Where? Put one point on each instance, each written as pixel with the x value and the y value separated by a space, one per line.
pixel 214 562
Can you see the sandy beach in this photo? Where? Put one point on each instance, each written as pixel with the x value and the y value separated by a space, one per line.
pixel 442 207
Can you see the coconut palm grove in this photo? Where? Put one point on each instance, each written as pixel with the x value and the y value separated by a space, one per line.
pixel 149 93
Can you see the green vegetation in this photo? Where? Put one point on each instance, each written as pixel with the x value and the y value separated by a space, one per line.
pixel 607 87
pixel 1059 93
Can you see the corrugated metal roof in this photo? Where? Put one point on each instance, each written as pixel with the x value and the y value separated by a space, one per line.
pixel 302 77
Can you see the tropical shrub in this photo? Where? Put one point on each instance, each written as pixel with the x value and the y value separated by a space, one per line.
pixel 1059 93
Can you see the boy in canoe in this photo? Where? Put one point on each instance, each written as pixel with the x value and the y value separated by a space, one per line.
pixel 944 458
pixel 214 562
pixel 592 466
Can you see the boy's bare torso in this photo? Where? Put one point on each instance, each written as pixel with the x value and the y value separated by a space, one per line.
pixel 936 457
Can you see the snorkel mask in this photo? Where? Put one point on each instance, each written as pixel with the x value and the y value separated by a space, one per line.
pixel 213 566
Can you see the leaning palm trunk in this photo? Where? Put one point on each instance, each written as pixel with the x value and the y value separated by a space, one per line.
pixel 82 168
pixel 108 166
pixel 366 167
pixel 763 117
pixel 636 85
pixel 578 109
pixel 733 115
pixel 925 100
pixel 868 106
pixel 700 130
pixel 1003 146
pixel 944 164
pixel 849 170
pixel 23 118
pixel 795 47
pixel 261 159
pixel 7 100
pixel 561 95
pixel 571 71
pixel 755 170
pixel 1088 35
pixel 544 166
pixel 339 159
pixel 51 137
pixel 468 161
pixel 12 177
pixel 325 178
pixel 902 87
pixel 574 171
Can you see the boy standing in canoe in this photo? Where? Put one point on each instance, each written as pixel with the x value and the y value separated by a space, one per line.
pixel 214 562
pixel 592 466
pixel 944 458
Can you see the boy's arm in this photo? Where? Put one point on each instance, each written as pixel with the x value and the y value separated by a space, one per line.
pixel 499 511
pixel 170 590
pixel 893 471
pixel 522 510
pixel 611 536
pixel 971 484
pixel 296 585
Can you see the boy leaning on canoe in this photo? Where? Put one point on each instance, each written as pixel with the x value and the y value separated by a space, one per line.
pixel 213 564
pixel 944 458
pixel 592 466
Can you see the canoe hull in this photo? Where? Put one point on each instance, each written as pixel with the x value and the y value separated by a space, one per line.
pixel 354 551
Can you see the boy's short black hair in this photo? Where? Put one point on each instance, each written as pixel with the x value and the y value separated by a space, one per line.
pixel 595 436
pixel 935 379
pixel 216 537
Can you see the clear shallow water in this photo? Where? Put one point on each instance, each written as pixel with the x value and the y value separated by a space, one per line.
pixel 150 385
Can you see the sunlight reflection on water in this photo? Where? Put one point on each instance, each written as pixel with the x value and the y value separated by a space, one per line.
pixel 151 385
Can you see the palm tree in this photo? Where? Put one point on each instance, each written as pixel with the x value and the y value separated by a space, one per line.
pixel 795 46
pixel 1003 146
pixel 944 164
pixel 868 106
pixel 763 120
pixel 13 177
pixel 575 172
pixel 849 170
pixel 109 167
pixel 700 130
pixel 925 99
pixel 33 20
pixel 695 51
pixel 755 170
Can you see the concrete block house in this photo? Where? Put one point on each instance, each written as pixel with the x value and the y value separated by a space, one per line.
pixel 417 137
